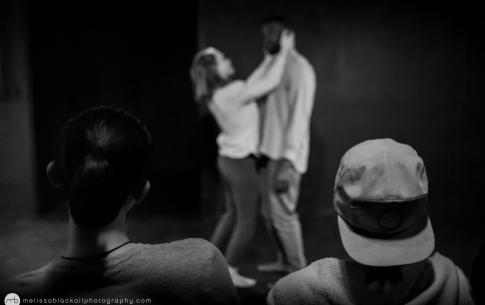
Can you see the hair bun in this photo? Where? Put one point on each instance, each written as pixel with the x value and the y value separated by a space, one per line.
pixel 104 152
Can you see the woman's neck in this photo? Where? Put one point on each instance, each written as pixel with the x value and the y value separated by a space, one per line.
pixel 91 242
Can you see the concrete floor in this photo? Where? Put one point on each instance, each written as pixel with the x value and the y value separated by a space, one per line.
pixel 28 244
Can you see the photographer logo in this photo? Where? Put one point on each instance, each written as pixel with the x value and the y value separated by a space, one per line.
pixel 12 299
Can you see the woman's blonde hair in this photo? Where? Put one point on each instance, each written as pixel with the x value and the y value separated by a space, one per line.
pixel 204 75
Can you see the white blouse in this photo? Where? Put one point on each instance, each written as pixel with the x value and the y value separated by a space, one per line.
pixel 238 121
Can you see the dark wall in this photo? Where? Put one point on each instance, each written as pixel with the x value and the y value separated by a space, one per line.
pixel 133 55
pixel 17 177
pixel 409 72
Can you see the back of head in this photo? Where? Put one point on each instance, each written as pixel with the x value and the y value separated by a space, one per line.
pixel 272 28
pixel 103 160
pixel 204 74
pixel 282 20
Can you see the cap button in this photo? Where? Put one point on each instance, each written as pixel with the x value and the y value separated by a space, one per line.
pixel 390 220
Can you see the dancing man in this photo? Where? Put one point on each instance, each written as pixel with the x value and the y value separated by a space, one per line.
pixel 284 147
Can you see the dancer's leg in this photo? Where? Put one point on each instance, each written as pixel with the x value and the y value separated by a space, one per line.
pixel 266 181
pixel 285 224
pixel 242 178
pixel 225 225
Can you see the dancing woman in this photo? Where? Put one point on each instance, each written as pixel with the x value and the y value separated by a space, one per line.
pixel 233 104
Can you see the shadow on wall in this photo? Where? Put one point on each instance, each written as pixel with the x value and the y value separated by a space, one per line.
pixel 17 183
pixel 128 55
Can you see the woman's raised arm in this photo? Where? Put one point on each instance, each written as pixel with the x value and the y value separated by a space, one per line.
pixel 269 73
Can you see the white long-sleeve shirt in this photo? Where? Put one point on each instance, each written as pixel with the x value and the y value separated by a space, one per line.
pixel 238 120
pixel 235 110
pixel 287 112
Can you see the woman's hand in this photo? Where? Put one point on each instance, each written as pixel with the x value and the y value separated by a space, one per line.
pixel 287 40
pixel 269 74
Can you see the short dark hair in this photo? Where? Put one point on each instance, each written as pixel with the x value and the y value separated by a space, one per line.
pixel 281 19
pixel 103 159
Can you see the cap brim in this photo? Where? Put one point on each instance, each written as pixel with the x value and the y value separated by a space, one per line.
pixel 393 252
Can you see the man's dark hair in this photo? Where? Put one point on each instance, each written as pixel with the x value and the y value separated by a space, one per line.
pixel 283 20
pixel 103 160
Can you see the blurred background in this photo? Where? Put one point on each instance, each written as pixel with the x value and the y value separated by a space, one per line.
pixel 411 72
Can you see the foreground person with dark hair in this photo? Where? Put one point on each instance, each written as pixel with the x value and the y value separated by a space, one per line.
pixel 380 197
pixel 102 167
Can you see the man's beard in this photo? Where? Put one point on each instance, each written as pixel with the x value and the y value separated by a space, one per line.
pixel 273 49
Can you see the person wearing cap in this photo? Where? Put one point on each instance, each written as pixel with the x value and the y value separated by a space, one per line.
pixel 380 197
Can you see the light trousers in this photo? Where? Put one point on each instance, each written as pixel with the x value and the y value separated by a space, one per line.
pixel 279 212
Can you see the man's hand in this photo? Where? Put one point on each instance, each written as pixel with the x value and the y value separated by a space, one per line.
pixel 283 176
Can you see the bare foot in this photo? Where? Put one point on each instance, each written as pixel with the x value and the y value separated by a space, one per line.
pixel 240 281
pixel 277 266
